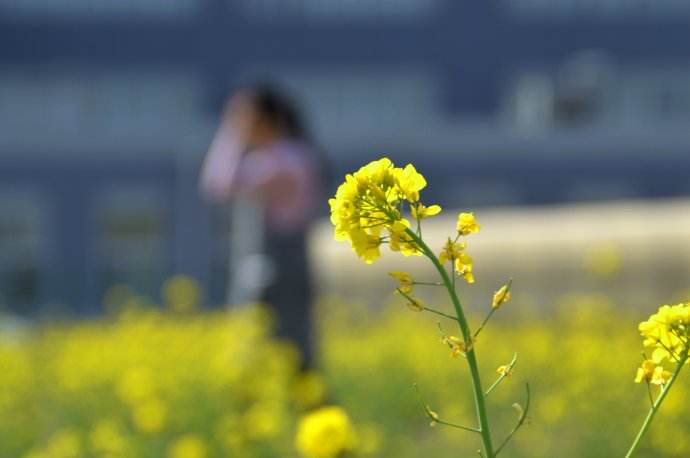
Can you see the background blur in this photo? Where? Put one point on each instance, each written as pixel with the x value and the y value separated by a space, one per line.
pixel 108 108
pixel 564 124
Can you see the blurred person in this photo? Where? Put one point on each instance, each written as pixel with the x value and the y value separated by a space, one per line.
pixel 262 151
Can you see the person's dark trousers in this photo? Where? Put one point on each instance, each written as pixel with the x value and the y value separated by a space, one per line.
pixel 290 293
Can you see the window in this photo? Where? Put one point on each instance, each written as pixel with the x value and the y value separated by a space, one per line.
pixel 590 90
pixel 132 238
pixel 23 244
pixel 96 108
pixel 662 95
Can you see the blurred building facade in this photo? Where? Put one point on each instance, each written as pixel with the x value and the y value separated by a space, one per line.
pixel 108 107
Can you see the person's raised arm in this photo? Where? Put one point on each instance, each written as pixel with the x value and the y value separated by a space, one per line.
pixel 220 168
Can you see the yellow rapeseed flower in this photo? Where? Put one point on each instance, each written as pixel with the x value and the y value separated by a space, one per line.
pixel 660 376
pixel 421 211
pixel 501 296
pixel 462 262
pixel 401 241
pixel 467 224
pixel 410 182
pixel 504 370
pixel 464 267
pixel 457 346
pixel 367 246
pixel 415 304
pixel 405 279
pixel 645 371
pixel 450 251
pixel 325 433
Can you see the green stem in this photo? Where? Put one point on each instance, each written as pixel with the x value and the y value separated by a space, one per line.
pixel 479 400
pixel 655 407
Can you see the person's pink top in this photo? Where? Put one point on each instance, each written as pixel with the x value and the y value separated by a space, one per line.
pixel 283 177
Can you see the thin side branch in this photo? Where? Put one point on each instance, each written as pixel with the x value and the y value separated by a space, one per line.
pixel 486 320
pixel 521 421
pixel 505 374
pixel 422 308
pixel 453 425
pixel 433 416
pixel 492 311
pixel 427 283
pixel 450 317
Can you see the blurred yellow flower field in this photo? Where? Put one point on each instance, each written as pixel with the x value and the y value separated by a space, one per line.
pixel 193 385
pixel 580 359
pixel 147 384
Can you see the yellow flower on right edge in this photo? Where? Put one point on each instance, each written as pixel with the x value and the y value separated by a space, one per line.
pixel 667 334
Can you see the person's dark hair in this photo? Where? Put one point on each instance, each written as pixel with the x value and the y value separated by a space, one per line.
pixel 279 108
pixel 275 106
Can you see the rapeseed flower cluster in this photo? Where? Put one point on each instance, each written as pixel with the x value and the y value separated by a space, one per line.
pixel 369 208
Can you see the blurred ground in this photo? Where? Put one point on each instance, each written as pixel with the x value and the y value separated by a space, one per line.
pixel 636 252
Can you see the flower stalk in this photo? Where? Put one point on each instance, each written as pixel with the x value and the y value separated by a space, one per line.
pixel 479 398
